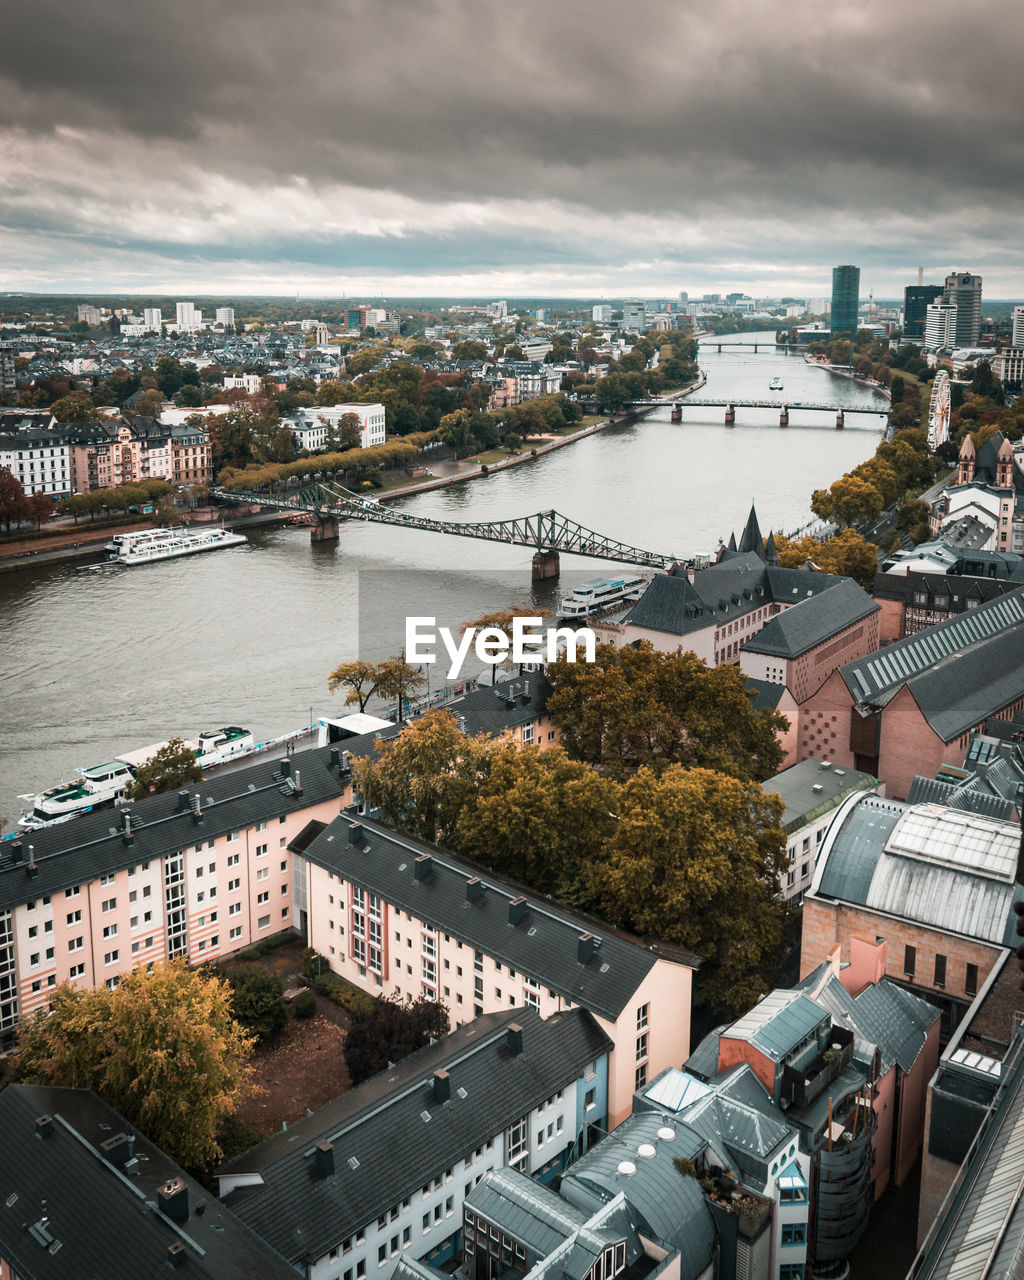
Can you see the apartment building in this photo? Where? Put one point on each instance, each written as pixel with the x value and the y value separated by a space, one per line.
pixel 508 1090
pixel 37 457
pixel 393 914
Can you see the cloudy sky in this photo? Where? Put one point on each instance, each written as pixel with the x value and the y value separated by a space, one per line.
pixel 508 147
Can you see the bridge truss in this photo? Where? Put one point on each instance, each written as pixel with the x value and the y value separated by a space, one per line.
pixel 546 531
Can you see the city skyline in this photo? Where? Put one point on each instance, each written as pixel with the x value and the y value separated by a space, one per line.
pixel 466 150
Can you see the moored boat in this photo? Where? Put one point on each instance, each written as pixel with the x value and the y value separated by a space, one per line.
pixel 600 594
pixel 148 545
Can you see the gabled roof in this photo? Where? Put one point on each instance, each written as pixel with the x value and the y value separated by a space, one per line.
pixel 69 1210
pixel 811 622
pixel 777 1023
pixel 397 1111
pixel 544 944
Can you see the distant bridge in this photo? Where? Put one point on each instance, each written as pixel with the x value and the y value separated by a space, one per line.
pixel 547 532
pixel 784 407
pixel 764 342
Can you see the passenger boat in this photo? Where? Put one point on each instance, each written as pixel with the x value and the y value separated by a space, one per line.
pixel 105 784
pixel 599 595
pixel 775 384
pixel 148 545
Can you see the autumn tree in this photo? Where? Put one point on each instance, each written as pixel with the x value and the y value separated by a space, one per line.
pixel 397 680
pixel 848 554
pixel 539 817
pixel 167 769
pixel 73 408
pixel 502 621
pixel 423 779
pixel 13 502
pixel 637 706
pixel 40 508
pixel 695 859
pixel 850 500
pixel 161 1048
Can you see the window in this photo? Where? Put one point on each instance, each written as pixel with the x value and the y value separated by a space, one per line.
pixel 640 1076
pixel 76 971
pixel 110 931
pixel 232 860
pixel 111 957
pixel 263 922
pixel 517 1147
pixel 232 835
pixel 971 980
pixel 909 960
pixel 588 1099
pixel 642 1016
pixel 109 904
pixel 73 892
pixel 791 1271
pixel 75 944
pixel 261 850
pixel 262 897
pixel 794 1233
pixel 641 1047
pixel 74 917
pixel 940 971
pixel 263 873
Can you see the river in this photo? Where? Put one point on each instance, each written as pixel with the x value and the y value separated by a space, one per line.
pixel 101 659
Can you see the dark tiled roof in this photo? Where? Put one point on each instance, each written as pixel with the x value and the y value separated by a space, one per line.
pixel 764 694
pixel 810 622
pixel 543 945
pixel 957 796
pixel 102 1218
pixel 490 1086
pixel 93 845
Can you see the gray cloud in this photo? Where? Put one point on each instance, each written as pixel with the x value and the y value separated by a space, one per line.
pixel 703 138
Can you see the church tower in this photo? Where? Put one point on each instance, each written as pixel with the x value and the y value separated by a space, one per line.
pixel 1004 466
pixel 965 466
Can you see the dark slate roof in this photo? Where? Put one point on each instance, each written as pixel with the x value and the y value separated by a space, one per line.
pixel 734 586
pixel 960 671
pixel 813 787
pixel 960 591
pixel 94 844
pixel 543 945
pixel 811 622
pixel 300 1213
pixel 958 796
pixel 765 696
pixel 508 705
pixel 750 538
pixel 106 1223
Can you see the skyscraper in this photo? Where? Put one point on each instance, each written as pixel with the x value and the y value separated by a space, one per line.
pixel 845 299
pixel 916 298
pixel 963 291
pixel 1018 327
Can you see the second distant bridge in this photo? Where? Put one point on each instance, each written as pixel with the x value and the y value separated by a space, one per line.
pixel 784 407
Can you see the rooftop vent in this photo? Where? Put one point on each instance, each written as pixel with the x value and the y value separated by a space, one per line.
pixel 524 697
pixel 127 836
pixel 44 1126
pixel 335 757
pixel 646 1151
pixel 183 802
pixel 817 787
pixel 297 783
pixel 197 807
pixel 323 1158
pixel 666 1134
pixel 474 889
pixel 173 1199
pixel 286 767
pixel 346 759
pixel 17 850
pixel 423 866
pixel 176 1255
pixel 442 1085
pixel 118 1149
pixel 355 833
pixel 626 1167
pixel 517 908
pixel 825 764
pixel 514 1038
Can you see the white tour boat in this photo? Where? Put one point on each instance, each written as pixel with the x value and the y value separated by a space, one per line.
pixel 599 595
pixel 148 545
pixel 775 384
pixel 105 784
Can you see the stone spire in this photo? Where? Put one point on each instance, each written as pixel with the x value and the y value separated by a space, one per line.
pixel 1004 466
pixel 968 460
pixel 771 553
pixel 750 539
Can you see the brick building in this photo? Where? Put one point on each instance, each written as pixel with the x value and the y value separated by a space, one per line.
pixel 936 883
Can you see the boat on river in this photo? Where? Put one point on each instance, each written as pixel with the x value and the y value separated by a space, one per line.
pixel 775 384
pixel 103 785
pixel 599 595
pixel 147 545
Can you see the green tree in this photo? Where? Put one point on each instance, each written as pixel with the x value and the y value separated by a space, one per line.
pixel 161 1048
pixel 469 350
pixel 695 860
pixel 166 770
pixel 389 1032
pixel 423 779
pixel 73 408
pixel 257 1000
pixel 40 509
pixel 637 706
pixel 539 817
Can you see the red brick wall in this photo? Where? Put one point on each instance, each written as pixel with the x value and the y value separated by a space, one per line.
pixel 731 1053
pixel 890 621
pixel 824 724
pixel 910 746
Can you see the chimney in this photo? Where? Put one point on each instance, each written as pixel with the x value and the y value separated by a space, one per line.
pixel 184 802
pixel 17 850
pixel 586 947
pixel 44 1126
pixel 516 910
pixel 514 1038
pixel 297 784
pixel 323 1158
pixel 524 697
pixel 335 757
pixel 126 834
pixel 197 808
pixel 172 1197
pixel 346 759
pixel 474 889
pixel 176 1255
pixel 286 767
pixel 424 865
pixel 355 833
pixel 442 1086
pixel 118 1149
pixel 32 869
pixel 462 724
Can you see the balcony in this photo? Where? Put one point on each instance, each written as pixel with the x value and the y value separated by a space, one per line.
pixel 801 1087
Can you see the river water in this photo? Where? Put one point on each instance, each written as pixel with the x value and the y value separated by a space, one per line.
pixel 95 660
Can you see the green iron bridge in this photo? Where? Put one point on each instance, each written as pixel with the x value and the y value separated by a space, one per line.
pixel 547 532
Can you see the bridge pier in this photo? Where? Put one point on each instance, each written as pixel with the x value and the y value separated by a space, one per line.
pixel 840 420
pixel 730 415
pixel 546 565
pixel 784 416
pixel 677 412
pixel 325 529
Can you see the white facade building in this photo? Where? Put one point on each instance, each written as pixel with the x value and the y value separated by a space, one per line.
pixel 249 382
pixel 152 318
pixel 940 326
pixel 225 315
pixel 310 427
pixel 1008 365
pixel 601 313
pixel 39 460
